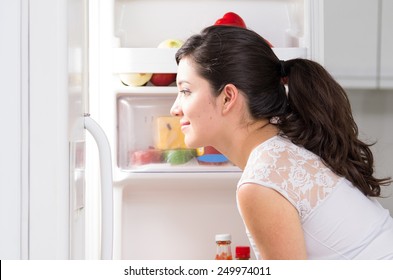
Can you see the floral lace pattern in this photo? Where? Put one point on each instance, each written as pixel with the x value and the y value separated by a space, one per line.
pixel 298 174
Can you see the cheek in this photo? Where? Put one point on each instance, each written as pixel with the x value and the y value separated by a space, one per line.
pixel 208 119
pixel 205 113
pixel 201 110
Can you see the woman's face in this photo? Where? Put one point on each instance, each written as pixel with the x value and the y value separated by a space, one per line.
pixel 196 107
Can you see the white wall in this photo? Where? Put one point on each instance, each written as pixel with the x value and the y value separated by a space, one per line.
pixel 373 112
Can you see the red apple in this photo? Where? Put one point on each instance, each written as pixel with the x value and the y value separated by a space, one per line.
pixel 163 79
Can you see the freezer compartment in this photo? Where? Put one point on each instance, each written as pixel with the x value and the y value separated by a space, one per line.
pixel 150 140
pixel 176 216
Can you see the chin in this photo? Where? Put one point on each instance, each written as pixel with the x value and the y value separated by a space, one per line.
pixel 191 143
pixel 191 146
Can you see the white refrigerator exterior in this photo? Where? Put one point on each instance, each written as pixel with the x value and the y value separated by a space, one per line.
pixel 13 122
pixel 35 221
pixel 66 69
pixel 43 184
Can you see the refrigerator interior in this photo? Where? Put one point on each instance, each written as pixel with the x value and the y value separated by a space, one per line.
pixel 164 209
pixel 147 23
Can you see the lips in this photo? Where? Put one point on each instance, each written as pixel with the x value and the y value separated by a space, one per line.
pixel 184 124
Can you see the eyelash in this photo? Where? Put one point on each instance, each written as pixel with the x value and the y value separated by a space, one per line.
pixel 185 92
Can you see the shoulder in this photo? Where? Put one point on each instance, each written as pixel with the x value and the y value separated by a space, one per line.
pixel 272 221
pixel 252 196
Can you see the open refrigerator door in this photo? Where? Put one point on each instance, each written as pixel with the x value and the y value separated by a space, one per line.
pixel 86 242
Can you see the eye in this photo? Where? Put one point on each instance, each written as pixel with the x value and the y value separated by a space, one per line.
pixel 185 92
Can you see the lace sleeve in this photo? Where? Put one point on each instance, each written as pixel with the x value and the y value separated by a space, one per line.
pixel 296 173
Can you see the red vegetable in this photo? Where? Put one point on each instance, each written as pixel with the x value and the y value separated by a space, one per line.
pixel 234 19
pixel 143 157
pixel 231 18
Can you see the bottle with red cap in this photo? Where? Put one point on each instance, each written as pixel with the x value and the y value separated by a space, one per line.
pixel 242 252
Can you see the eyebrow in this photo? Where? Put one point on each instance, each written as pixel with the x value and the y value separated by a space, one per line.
pixel 183 82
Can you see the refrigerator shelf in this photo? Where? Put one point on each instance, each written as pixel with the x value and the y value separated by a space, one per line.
pixel 145 91
pixel 159 60
pixel 144 60
pixel 159 180
pixel 290 53
pixel 167 168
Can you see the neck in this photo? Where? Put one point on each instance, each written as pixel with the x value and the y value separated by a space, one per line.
pixel 243 142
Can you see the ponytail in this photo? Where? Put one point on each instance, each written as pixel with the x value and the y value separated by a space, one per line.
pixel 319 118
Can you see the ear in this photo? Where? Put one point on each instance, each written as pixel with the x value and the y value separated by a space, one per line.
pixel 229 96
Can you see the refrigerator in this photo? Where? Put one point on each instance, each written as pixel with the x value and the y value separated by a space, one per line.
pixel 87 191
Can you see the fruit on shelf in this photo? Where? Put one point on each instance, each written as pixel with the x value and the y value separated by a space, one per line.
pixel 171 43
pixel 165 79
pixel 135 79
pixel 179 156
pixel 148 156
pixel 270 44
pixel 232 19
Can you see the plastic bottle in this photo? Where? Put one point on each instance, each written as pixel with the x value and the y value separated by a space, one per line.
pixel 223 251
pixel 242 253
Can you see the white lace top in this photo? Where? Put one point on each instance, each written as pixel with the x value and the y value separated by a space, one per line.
pixel 338 221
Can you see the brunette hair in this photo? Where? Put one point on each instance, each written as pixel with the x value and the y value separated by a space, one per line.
pixel 315 113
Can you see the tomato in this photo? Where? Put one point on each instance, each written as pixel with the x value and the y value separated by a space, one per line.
pixel 143 157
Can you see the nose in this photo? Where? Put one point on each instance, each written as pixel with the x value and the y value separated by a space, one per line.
pixel 176 109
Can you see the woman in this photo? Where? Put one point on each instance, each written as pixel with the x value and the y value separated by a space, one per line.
pixel 307 190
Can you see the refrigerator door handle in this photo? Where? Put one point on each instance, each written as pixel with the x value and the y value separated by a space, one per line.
pixel 106 186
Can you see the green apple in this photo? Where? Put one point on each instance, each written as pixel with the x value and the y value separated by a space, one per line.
pixel 135 79
pixel 179 156
pixel 171 43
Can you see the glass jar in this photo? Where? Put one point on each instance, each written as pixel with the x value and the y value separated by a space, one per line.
pixel 223 247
